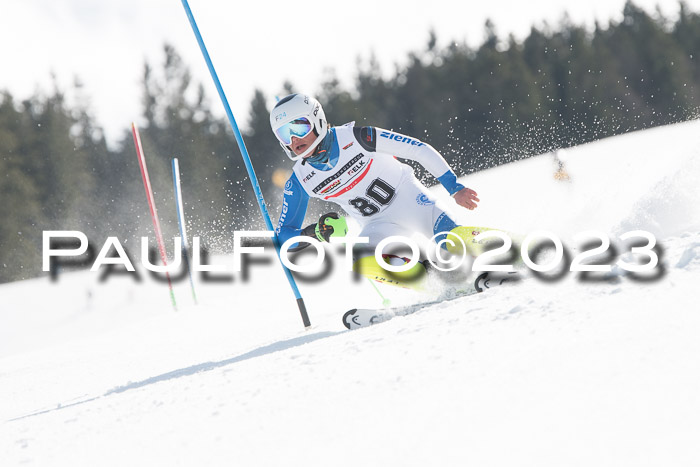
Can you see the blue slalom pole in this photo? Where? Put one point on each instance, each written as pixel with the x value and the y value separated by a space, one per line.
pixel 181 223
pixel 246 159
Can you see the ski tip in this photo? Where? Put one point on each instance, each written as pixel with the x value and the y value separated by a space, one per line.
pixel 481 282
pixel 347 318
pixel 362 317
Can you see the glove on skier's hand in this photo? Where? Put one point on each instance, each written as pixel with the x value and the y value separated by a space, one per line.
pixel 328 225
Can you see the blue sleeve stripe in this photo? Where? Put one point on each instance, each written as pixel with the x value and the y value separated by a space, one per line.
pixel 449 181
pixel 294 204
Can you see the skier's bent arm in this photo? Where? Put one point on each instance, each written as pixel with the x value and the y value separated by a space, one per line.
pixel 405 147
pixel 294 204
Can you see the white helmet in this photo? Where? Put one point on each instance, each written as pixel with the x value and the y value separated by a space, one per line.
pixel 298 115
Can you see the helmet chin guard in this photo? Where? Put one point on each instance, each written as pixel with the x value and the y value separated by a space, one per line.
pixel 297 106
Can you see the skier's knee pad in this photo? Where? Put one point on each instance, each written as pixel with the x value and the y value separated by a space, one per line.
pixel 413 278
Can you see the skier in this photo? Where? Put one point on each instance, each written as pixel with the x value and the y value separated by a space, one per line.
pixel 355 168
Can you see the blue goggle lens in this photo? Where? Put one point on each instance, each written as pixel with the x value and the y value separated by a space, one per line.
pixel 299 128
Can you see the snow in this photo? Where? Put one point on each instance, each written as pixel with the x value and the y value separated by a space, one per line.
pixel 560 372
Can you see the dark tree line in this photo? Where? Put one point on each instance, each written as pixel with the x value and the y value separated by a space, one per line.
pixel 507 99
pixel 480 107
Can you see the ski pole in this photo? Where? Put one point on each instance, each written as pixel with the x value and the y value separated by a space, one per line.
pixel 385 301
pixel 246 160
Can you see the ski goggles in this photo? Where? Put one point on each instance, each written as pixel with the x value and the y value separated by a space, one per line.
pixel 299 128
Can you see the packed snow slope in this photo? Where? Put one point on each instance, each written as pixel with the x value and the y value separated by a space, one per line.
pixel 570 372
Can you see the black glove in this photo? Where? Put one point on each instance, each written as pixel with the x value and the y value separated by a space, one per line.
pixel 328 225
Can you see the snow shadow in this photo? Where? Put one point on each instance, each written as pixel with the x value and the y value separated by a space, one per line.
pixel 194 369
pixel 208 366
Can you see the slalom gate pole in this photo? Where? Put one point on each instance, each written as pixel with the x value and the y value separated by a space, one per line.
pixel 246 160
pixel 181 222
pixel 152 207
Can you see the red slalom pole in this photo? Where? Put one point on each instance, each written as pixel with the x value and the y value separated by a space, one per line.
pixel 152 207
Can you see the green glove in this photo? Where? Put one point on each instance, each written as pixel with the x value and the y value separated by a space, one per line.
pixel 328 225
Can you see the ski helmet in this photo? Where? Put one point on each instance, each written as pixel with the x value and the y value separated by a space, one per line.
pixel 298 115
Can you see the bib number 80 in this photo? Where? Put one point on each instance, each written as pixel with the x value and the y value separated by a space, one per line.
pixel 380 192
